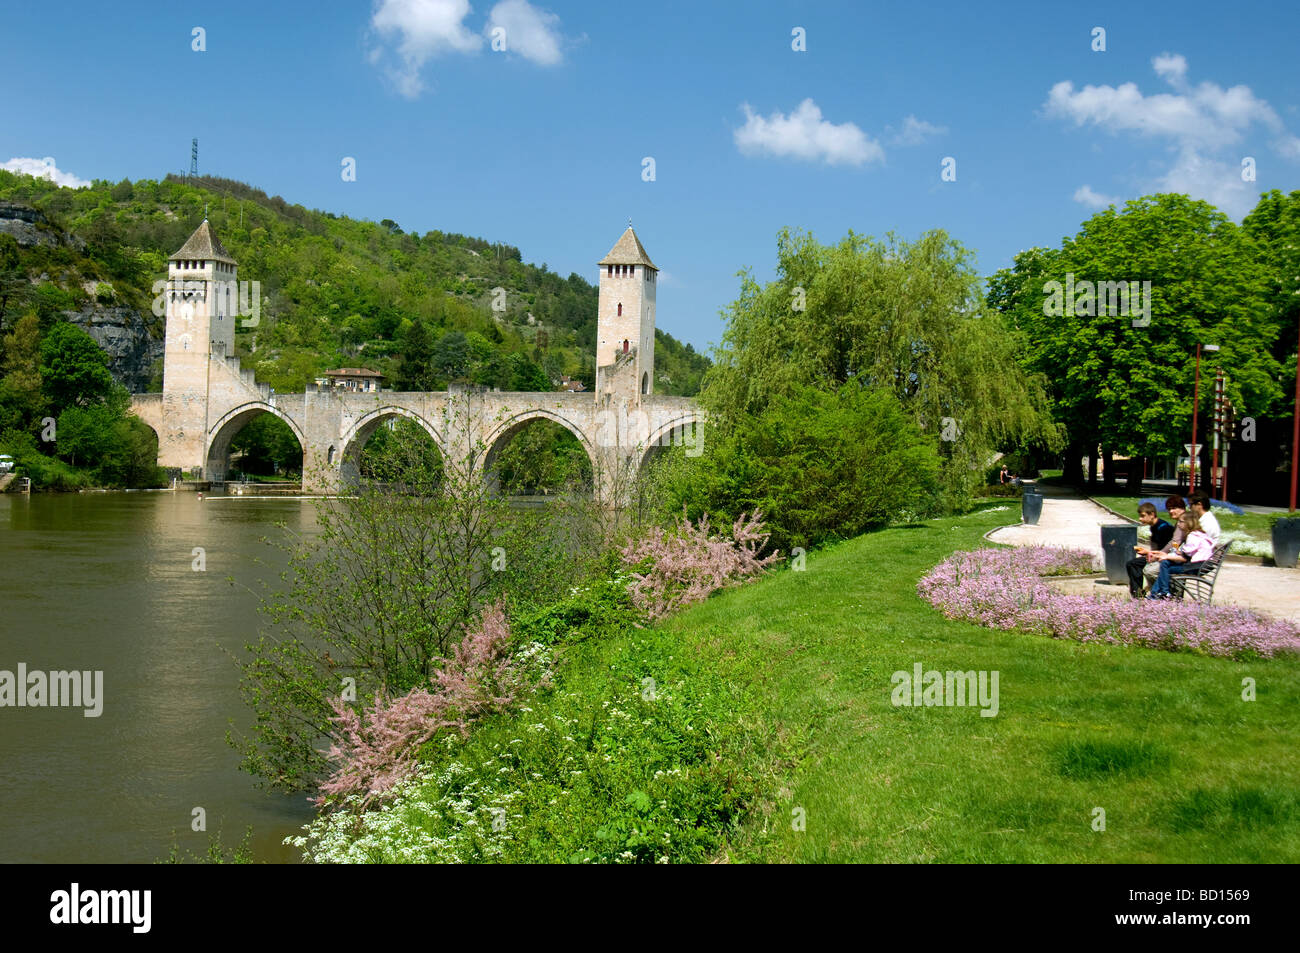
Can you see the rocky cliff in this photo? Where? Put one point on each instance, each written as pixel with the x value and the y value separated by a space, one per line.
pixel 124 335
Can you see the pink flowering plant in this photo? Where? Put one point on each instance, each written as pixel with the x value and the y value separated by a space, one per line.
pixel 674 569
pixel 1004 589
pixel 376 748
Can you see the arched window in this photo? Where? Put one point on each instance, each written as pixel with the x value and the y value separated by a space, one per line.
pixel 620 309
pixel 624 345
pixel 645 383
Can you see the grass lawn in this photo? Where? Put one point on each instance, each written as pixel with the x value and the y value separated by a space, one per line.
pixel 1185 770
pixel 713 734
pixel 1256 525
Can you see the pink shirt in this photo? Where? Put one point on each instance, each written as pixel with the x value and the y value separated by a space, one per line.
pixel 1197 548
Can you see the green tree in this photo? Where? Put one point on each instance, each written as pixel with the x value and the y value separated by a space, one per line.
pixel 820 464
pixel 74 369
pixel 22 399
pixel 527 376
pixel 908 317
pixel 451 356
pixel 1274 227
pixel 13 281
pixel 417 372
pixel 1123 381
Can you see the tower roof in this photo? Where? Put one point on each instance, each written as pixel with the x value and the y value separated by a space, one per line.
pixel 628 250
pixel 202 245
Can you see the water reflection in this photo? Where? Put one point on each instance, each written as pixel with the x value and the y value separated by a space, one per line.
pixel 106 581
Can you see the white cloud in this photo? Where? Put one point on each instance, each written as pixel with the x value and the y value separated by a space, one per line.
pixel 1172 68
pixel 1288 146
pixel 1085 195
pixel 46 169
pixel 1200 124
pixel 1215 180
pixel 420 30
pixel 804 134
pixel 916 131
pixel 529 31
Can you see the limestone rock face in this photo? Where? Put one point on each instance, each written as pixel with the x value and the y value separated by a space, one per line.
pixel 29 227
pixel 124 335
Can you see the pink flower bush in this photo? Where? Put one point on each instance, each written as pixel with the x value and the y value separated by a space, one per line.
pixel 377 748
pixel 688 565
pixel 1003 589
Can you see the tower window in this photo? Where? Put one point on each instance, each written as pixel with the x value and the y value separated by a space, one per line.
pixel 620 309
pixel 610 270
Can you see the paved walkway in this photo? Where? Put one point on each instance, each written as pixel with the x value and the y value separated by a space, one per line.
pixel 1073 522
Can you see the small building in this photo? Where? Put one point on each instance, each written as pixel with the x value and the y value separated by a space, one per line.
pixel 359 380
pixel 569 384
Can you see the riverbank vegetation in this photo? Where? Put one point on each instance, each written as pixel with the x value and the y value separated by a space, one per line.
pixel 63 419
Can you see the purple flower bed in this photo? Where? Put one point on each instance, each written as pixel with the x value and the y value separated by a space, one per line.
pixel 1004 589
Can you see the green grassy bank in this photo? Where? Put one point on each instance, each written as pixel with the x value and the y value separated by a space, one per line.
pixel 768 734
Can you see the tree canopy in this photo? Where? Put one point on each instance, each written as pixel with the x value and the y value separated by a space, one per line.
pixel 906 317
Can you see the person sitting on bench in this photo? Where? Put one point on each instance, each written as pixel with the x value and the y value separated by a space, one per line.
pixel 1176 507
pixel 1199 505
pixel 1195 551
pixel 1161 534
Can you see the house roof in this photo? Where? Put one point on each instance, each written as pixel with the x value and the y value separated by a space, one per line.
pixel 353 372
pixel 628 250
pixel 203 245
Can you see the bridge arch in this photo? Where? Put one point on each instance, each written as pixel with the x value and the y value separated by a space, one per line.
pixel 346 454
pixel 504 431
pixel 684 428
pixel 217 453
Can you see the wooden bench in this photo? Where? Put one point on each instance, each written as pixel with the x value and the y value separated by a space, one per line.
pixel 1200 585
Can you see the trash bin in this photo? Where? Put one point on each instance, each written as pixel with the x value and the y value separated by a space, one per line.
pixel 1286 542
pixel 1031 506
pixel 1117 542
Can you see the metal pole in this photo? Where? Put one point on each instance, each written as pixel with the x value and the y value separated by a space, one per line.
pixel 1295 428
pixel 1218 427
pixel 1196 400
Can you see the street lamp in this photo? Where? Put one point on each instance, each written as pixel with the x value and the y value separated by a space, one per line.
pixel 1196 402
pixel 1295 414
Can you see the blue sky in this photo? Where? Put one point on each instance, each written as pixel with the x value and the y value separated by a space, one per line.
pixel 542 145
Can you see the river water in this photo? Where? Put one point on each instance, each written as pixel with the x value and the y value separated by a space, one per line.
pixel 106 581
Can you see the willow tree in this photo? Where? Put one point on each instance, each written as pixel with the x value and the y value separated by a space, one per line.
pixel 907 317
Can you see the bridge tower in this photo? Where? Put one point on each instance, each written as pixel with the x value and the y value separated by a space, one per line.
pixel 201 314
pixel 625 323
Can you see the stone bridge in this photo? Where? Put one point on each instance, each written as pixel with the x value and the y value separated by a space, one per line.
pixel 469 426
pixel 208 397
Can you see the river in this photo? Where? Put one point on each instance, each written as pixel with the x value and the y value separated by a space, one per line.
pixel 106 581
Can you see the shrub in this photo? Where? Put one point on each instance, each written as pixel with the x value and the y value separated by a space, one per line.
pixel 641 758
pixel 377 748
pixel 823 465
pixel 679 568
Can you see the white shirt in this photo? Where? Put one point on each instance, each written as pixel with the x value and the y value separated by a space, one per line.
pixel 1210 526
